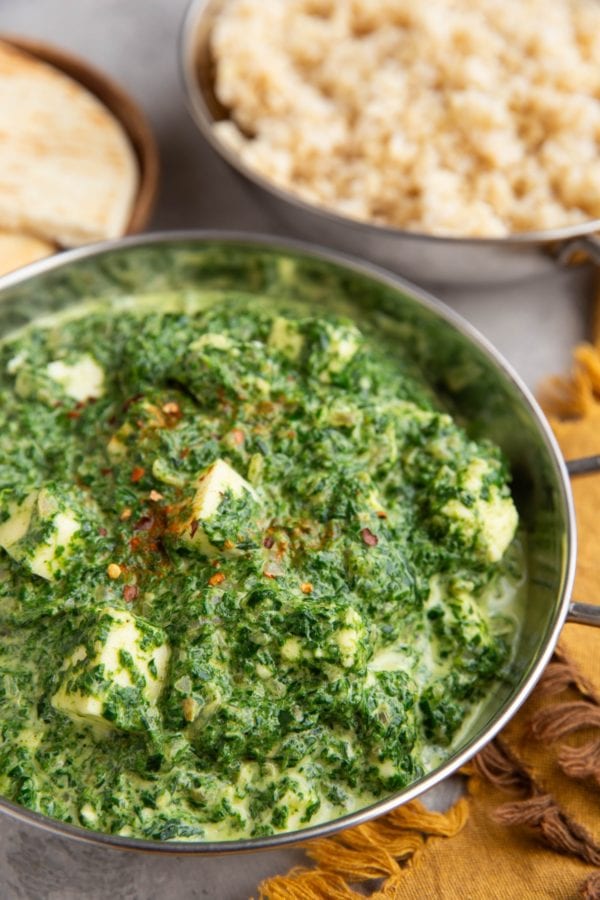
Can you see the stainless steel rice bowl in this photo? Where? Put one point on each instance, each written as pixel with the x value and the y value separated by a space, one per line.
pixel 426 258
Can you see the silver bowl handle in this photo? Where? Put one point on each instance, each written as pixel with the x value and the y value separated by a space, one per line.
pixel 584 614
pixel 584 465
pixel 589 246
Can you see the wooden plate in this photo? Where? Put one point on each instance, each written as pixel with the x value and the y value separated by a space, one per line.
pixel 122 107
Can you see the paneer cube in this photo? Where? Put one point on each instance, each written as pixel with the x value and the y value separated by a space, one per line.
pixel 333 346
pixel 40 532
pixel 223 506
pixel 117 445
pixel 344 342
pixel 15 527
pixel 286 338
pixel 212 486
pixel 490 522
pixel 212 339
pixel 80 380
pixel 114 678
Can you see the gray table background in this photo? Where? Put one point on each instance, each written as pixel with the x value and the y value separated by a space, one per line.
pixel 533 324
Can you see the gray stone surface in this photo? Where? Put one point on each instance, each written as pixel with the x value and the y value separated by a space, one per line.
pixel 533 324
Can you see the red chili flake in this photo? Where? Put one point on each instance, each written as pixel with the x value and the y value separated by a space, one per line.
pixel 102 532
pixel 215 579
pixel 281 549
pixel 381 514
pixel 268 542
pixel 144 524
pixel 73 414
pixel 194 527
pixel 130 592
pixel 137 474
pixel 106 471
pixel 131 400
pixel 269 574
pixel 184 453
pixel 265 408
pixel 171 409
pixel 134 543
pixel 370 539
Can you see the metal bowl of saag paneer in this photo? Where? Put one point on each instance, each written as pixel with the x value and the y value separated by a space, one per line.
pixel 283 542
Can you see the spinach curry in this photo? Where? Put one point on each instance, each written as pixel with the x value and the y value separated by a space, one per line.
pixel 251 575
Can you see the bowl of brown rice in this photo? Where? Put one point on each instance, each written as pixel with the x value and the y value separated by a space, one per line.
pixel 455 140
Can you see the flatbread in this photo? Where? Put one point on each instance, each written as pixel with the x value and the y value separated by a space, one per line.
pixel 68 173
pixel 19 249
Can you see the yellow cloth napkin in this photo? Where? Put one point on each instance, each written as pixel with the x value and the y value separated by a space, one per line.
pixel 529 826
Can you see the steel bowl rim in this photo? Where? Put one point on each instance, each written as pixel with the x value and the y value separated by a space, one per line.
pixel 507 710
pixel 201 116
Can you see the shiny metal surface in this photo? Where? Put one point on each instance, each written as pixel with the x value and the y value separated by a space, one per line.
pixel 424 258
pixel 584 614
pixel 585 465
pixel 588 247
pixel 478 385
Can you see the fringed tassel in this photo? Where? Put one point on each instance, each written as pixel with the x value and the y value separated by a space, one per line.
pixel 538 810
pixel 586 357
pixel 556 721
pixel 557 829
pixel 416 817
pixel 591 888
pixel 567 398
pixel 528 813
pixel 360 856
pixel 574 397
pixel 497 765
pixel 306 884
pixel 561 674
pixel 581 762
pixel 562 719
pixel 377 850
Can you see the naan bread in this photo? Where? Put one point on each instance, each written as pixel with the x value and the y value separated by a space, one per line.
pixel 68 173
pixel 19 249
